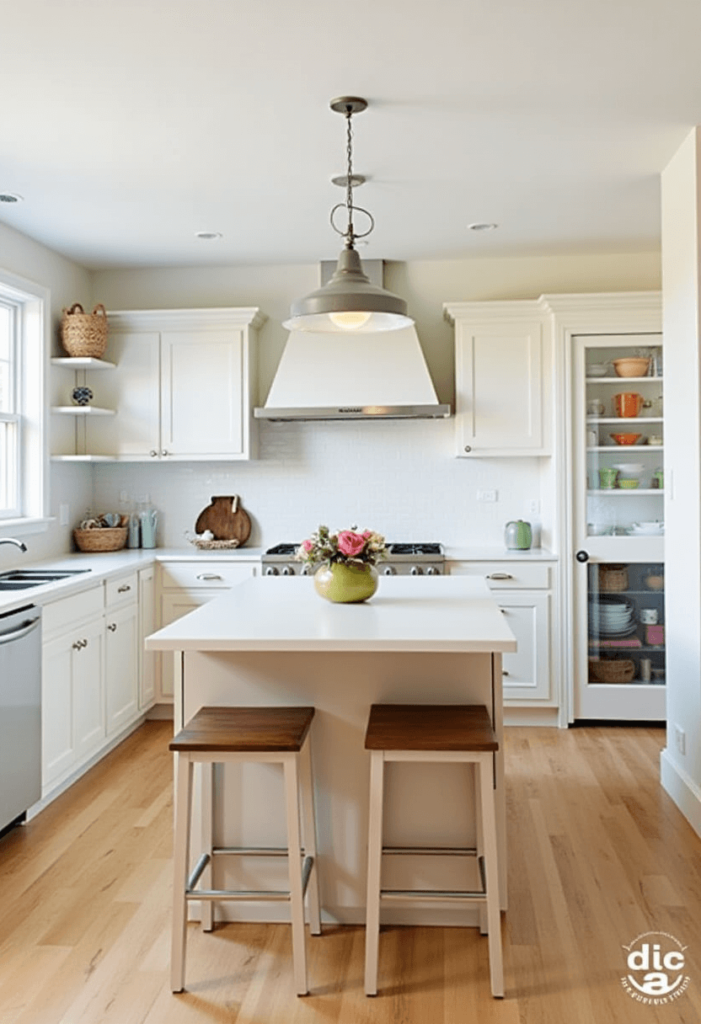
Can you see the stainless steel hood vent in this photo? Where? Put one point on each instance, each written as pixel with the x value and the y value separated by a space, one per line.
pixel 352 376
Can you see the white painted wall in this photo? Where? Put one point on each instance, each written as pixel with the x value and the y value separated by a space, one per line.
pixel 401 477
pixel 68 284
pixel 681 267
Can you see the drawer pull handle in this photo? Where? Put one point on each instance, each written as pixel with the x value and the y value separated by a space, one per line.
pixel 112 626
pixel 209 576
pixel 124 588
pixel 499 576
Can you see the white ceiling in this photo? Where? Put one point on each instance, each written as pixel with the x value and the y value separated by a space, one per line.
pixel 129 126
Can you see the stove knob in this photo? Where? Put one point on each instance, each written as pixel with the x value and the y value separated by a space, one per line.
pixel 271 571
pixel 306 571
pixel 287 571
pixel 432 571
pixel 416 571
pixel 389 571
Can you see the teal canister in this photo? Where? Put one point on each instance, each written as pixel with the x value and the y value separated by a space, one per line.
pixel 518 535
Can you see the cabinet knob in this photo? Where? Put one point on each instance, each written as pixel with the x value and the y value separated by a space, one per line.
pixel 78 645
pixel 164 451
pixel 153 453
pixel 499 576
pixel 505 672
pixel 468 448
pixel 124 588
pixel 208 576
pixel 112 626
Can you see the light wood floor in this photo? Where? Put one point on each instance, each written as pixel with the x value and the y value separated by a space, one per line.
pixel 598 855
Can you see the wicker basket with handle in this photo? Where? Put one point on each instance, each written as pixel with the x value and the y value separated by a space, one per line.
pixel 84 334
pixel 611 670
pixel 105 539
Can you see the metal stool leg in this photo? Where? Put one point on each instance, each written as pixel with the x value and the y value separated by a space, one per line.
pixel 309 820
pixel 207 800
pixel 181 859
pixel 294 846
pixel 372 925
pixel 491 870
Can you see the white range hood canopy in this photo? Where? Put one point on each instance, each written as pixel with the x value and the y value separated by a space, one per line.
pixel 358 376
pixel 344 376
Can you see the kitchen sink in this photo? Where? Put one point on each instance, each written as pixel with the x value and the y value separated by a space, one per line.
pixel 20 579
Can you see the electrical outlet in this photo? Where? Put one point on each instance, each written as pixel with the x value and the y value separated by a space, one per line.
pixel 680 739
pixel 533 507
pixel 123 497
pixel 489 496
pixel 64 515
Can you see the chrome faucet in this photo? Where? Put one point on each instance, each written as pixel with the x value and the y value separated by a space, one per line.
pixel 11 540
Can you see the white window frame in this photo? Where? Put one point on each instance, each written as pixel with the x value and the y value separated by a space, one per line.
pixel 31 303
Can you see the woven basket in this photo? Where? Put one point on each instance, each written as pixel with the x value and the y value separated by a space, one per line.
pixel 84 334
pixel 612 670
pixel 613 578
pixel 106 539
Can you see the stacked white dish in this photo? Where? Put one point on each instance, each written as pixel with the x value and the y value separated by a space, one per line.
pixel 611 616
pixel 629 470
pixel 646 529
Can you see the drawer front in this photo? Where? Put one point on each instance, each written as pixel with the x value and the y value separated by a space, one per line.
pixel 205 575
pixel 62 613
pixel 122 590
pixel 507 575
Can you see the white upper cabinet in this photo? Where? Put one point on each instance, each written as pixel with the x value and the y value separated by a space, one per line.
pixel 183 387
pixel 502 369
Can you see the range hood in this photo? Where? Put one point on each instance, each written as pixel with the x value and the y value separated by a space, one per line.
pixel 352 376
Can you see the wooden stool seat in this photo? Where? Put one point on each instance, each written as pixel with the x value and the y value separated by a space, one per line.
pixel 269 735
pixel 444 733
pixel 239 729
pixel 429 727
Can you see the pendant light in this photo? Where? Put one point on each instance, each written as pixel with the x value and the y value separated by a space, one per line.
pixel 349 302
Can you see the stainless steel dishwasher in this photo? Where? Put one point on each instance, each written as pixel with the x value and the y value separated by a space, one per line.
pixel 20 713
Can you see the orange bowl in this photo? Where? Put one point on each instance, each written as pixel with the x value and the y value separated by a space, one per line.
pixel 626 438
pixel 632 366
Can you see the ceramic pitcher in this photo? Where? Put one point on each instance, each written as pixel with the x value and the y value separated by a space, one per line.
pixel 628 404
pixel 518 535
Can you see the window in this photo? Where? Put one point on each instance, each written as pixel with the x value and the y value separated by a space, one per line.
pixel 23 464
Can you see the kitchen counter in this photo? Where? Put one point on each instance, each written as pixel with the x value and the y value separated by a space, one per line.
pixel 274 641
pixel 498 553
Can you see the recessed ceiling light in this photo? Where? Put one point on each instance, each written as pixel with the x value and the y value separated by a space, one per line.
pixel 10 197
pixel 479 226
pixel 208 236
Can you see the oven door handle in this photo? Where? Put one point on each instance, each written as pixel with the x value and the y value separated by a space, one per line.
pixel 17 634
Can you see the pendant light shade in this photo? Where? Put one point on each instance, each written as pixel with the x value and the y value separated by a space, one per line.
pixel 349 302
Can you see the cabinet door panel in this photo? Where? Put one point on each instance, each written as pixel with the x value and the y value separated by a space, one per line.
pixel 499 389
pixel 202 392
pixel 57 709
pixel 88 691
pixel 147 625
pixel 121 667
pixel 132 389
pixel 527 671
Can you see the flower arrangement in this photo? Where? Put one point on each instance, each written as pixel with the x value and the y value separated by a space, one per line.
pixel 348 547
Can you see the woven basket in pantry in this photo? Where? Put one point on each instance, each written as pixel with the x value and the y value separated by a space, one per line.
pixel 613 578
pixel 84 334
pixel 106 539
pixel 611 670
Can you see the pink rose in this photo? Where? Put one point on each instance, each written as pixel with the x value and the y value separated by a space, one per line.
pixel 350 544
pixel 307 545
pixel 367 534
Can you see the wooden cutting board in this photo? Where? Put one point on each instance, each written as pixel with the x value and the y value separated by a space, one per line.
pixel 225 519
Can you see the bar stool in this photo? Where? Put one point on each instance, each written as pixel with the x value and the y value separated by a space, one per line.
pixel 234 735
pixel 434 733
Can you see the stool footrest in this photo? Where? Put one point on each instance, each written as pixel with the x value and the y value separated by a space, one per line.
pixel 232 894
pixel 251 851
pixel 433 894
pixel 430 851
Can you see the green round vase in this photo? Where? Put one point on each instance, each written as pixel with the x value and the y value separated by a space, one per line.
pixel 345 584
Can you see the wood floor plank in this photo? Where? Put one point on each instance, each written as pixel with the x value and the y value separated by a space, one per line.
pixel 598 855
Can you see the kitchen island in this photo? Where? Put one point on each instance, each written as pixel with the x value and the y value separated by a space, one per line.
pixel 274 641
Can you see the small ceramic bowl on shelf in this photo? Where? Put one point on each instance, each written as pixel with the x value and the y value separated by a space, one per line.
pixel 632 366
pixel 628 484
pixel 626 438
pixel 598 369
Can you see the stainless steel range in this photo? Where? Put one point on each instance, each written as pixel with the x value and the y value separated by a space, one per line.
pixel 401 560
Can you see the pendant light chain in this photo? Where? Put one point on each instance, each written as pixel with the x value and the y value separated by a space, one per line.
pixel 350 235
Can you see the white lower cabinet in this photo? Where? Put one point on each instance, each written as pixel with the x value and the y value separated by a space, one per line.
pixel 121 667
pixel 524 592
pixel 147 625
pixel 184 586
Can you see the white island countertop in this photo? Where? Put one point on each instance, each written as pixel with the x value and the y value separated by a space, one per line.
pixel 440 614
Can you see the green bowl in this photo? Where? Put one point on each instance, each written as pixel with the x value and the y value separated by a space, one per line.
pixel 629 485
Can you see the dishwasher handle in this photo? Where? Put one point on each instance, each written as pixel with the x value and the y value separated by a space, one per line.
pixel 17 634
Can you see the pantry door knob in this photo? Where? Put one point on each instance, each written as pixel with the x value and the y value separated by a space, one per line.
pixel 582 556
